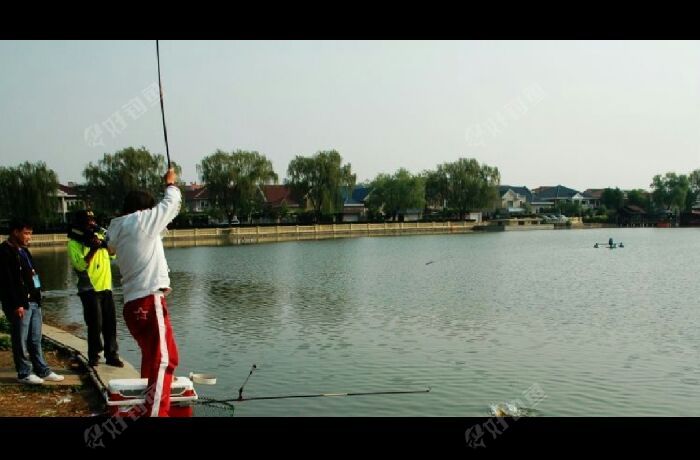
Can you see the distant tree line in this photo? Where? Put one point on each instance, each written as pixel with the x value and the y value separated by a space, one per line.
pixel 235 179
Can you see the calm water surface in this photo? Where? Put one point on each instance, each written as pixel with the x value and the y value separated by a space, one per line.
pixel 480 318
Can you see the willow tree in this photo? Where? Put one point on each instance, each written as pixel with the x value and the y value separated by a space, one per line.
pixel 613 198
pixel 670 191
pixel 436 189
pixel 234 181
pixel 466 185
pixel 321 179
pixel 28 191
pixel 694 191
pixel 394 194
pixel 115 175
pixel 639 197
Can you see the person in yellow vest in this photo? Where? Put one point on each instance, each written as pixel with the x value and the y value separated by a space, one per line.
pixel 91 259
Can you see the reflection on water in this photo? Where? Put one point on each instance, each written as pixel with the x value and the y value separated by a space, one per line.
pixel 479 318
pixel 58 285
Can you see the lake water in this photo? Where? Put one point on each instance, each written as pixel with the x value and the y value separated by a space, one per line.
pixel 480 318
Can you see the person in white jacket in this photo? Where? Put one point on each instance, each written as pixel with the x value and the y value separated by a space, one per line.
pixel 137 238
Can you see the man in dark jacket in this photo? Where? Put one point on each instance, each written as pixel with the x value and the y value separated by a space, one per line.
pixel 20 293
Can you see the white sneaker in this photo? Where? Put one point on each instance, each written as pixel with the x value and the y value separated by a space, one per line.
pixel 54 377
pixel 31 379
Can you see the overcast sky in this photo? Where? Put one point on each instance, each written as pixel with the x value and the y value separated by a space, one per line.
pixel 580 114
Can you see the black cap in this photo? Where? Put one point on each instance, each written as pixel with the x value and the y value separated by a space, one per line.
pixel 82 217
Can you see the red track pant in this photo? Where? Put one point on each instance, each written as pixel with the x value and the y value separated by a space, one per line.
pixel 149 323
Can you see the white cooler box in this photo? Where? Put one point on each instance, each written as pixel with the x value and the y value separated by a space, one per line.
pixel 125 394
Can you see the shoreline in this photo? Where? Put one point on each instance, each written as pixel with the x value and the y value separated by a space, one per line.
pixel 76 348
pixel 275 234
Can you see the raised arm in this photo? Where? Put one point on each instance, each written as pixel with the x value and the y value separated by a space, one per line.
pixel 155 220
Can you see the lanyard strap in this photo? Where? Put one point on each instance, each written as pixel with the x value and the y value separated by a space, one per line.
pixel 26 258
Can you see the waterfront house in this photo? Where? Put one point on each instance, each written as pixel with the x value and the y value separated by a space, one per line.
pixel 549 197
pixel 592 198
pixel 69 199
pixel 514 199
pixel 355 203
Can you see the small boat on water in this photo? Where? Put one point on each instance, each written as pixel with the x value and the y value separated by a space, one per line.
pixel 610 245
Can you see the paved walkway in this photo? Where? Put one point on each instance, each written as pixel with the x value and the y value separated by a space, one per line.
pixel 100 374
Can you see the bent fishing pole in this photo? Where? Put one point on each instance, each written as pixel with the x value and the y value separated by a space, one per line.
pixel 241 398
pixel 240 390
pixel 323 395
pixel 162 110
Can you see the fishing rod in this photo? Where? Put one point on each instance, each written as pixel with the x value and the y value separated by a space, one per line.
pixel 323 395
pixel 240 390
pixel 162 110
pixel 240 397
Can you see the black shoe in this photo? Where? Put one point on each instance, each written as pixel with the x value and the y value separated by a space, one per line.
pixel 115 362
pixel 93 362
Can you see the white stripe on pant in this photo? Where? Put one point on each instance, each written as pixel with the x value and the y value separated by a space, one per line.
pixel 164 357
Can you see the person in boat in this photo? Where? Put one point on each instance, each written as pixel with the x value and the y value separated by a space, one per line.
pixel 137 238
pixel 595 245
pixel 610 242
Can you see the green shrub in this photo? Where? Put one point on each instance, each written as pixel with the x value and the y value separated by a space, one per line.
pixel 5 342
pixel 4 325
